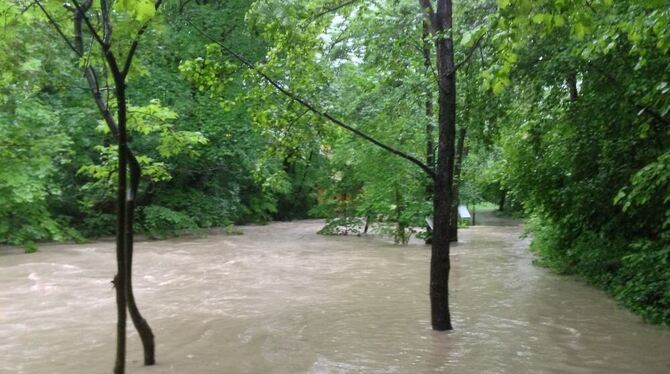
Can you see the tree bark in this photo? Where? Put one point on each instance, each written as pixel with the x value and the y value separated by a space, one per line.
pixel 125 196
pixel 121 254
pixel 400 226
pixel 430 145
pixel 474 214
pixel 141 325
pixel 120 280
pixel 440 264
pixel 367 224
pixel 572 87
pixel 460 151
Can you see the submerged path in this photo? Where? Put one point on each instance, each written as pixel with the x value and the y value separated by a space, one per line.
pixel 281 299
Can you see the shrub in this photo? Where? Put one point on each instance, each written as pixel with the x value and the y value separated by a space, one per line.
pixel 160 222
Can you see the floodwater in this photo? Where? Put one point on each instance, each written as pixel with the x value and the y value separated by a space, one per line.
pixel 281 299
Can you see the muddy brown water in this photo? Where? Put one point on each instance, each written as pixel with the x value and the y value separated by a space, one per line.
pixel 281 299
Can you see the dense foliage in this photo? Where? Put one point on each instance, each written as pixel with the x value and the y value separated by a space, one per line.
pixel 203 162
pixel 586 143
pixel 563 113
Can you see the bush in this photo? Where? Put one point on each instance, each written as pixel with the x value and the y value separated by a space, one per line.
pixel 160 222
pixel 643 282
pixel 343 226
pixel 637 275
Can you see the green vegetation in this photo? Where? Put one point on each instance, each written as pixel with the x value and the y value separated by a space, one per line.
pixel 585 144
pixel 203 164
pixel 243 112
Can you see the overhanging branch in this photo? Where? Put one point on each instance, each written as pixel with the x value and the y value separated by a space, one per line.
pixel 312 108
pixel 60 32
pixel 469 54
pixel 334 8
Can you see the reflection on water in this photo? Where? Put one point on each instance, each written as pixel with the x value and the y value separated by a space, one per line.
pixel 281 299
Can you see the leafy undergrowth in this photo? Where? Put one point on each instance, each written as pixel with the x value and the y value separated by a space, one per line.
pixel 636 274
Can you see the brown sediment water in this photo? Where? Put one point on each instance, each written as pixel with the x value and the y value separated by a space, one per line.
pixel 281 299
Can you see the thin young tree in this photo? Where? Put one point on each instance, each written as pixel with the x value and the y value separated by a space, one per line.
pixel 95 22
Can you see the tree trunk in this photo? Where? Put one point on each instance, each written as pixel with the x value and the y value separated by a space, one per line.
pixel 430 146
pixel 572 87
pixel 440 265
pixel 501 202
pixel 400 237
pixel 367 224
pixel 460 151
pixel 474 214
pixel 141 325
pixel 121 254
pixel 126 201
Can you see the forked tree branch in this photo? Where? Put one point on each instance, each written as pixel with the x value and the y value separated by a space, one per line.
pixel 332 9
pixel 469 54
pixel 135 44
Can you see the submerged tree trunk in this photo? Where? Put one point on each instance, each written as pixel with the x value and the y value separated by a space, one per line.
pixel 474 214
pixel 125 235
pixel 141 325
pixel 460 152
pixel 400 234
pixel 121 254
pixel 126 197
pixel 367 223
pixel 440 265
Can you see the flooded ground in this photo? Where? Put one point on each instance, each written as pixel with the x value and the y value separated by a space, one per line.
pixel 281 299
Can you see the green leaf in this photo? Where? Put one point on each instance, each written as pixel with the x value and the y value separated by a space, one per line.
pixel 579 30
pixel 502 4
pixel 144 9
pixel 559 21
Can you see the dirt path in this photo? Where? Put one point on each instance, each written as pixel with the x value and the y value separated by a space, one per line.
pixel 280 299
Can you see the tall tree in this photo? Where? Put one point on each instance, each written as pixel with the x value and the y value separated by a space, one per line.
pixel 440 23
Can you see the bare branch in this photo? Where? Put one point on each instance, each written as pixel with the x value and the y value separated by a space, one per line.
pixel 82 12
pixel 333 9
pixel 57 27
pixel 469 54
pixel 102 104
